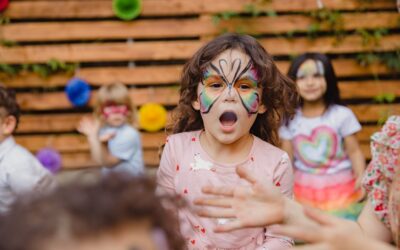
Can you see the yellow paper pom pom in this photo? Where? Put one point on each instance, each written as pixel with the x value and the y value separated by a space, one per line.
pixel 152 117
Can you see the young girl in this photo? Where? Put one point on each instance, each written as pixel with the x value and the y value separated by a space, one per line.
pixel 233 99
pixel 114 143
pixel 321 139
pixel 379 221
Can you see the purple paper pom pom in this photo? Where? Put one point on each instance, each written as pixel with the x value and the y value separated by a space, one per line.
pixel 50 159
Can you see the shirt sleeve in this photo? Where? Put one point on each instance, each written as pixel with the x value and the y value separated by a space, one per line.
pixel 284 179
pixel 350 124
pixel 28 175
pixel 166 170
pixel 125 145
pixel 284 133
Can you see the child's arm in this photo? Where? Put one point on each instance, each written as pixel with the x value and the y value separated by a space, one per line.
pixel 331 233
pixel 372 226
pixel 356 156
pixel 98 146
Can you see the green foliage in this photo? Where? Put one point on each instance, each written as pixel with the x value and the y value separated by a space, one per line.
pixel 7 43
pixel 252 10
pixel 366 59
pixel 372 37
pixel 390 59
pixel 51 67
pixel 325 17
pixel 385 98
pixel 4 20
pixel 8 69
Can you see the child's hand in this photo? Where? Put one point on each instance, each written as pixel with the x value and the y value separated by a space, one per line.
pixel 106 137
pixel 258 205
pixel 89 126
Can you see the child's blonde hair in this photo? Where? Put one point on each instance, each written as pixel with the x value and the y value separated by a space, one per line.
pixel 115 93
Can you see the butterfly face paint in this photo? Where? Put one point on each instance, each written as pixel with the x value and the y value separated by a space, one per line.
pixel 232 77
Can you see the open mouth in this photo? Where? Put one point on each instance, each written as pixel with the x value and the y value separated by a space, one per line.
pixel 228 118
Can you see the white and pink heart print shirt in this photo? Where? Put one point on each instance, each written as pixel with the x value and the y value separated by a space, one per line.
pixel 186 167
pixel 318 142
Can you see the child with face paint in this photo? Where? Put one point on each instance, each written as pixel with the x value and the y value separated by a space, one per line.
pixel 321 139
pixel 114 143
pixel 233 99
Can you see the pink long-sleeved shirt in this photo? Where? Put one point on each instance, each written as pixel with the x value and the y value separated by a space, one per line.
pixel 185 168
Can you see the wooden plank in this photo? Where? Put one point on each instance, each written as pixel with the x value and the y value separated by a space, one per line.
pixel 149 75
pixel 180 49
pixel 191 27
pixel 77 143
pixel 368 89
pixel 84 9
pixel 59 100
pixel 66 123
pixel 100 52
pixel 365 148
pixel 53 123
pixel 152 75
pixel 164 96
pixel 364 136
pixel 374 112
pixel 79 160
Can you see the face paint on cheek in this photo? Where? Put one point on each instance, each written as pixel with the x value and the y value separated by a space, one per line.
pixel 207 98
pixel 250 98
pixel 251 102
pixel 206 102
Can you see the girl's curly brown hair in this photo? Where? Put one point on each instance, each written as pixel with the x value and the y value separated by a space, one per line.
pixel 279 92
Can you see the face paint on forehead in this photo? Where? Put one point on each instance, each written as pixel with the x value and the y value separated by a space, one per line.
pixel 230 74
pixel 310 68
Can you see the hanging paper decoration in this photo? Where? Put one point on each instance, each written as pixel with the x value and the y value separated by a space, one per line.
pixel 152 117
pixel 78 92
pixel 3 5
pixel 127 9
pixel 50 159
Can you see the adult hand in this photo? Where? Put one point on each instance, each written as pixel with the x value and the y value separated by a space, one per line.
pixel 258 205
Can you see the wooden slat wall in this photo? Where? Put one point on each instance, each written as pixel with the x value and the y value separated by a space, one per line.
pixel 167 33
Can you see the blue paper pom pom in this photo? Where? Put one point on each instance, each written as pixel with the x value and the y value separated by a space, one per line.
pixel 78 92
pixel 50 159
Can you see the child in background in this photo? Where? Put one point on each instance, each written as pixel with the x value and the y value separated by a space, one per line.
pixel 114 143
pixel 20 171
pixel 321 138
pixel 101 215
pixel 379 221
pixel 232 101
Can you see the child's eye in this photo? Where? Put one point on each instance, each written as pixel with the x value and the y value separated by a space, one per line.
pixel 244 87
pixel 216 85
pixel 300 77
